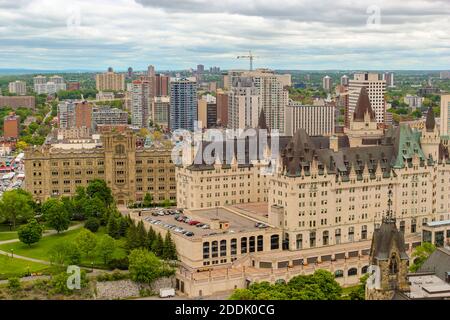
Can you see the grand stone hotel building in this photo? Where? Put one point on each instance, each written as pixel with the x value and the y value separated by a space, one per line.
pixel 325 201
pixel 57 169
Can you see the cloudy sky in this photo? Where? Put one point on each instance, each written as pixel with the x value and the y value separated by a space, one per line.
pixel 179 34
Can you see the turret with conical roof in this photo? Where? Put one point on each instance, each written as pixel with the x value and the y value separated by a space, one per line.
pixel 262 124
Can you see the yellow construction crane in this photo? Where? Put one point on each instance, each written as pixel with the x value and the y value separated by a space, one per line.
pixel 250 57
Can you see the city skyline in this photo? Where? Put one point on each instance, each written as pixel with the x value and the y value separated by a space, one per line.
pixel 47 34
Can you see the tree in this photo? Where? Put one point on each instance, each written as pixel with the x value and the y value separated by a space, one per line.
pixel 21 145
pixel 113 226
pixel 169 251
pixel 30 233
pixel 92 224
pixel 105 248
pixel 359 293
pixel 147 200
pixel 98 188
pixel 94 207
pixel 123 226
pixel 420 255
pixel 55 214
pixel 131 238
pixel 151 236
pixel 157 245
pixel 16 205
pixel 144 266
pixel 86 242
pixel 166 203
pixel 141 237
pixel 65 253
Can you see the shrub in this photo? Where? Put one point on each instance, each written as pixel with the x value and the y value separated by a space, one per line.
pixel 92 224
pixel 121 264
pixel 14 284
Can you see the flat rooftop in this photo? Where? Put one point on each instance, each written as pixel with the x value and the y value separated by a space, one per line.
pixel 237 223
pixel 428 286
pixel 254 210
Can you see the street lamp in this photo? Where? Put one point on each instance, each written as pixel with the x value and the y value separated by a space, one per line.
pixel 92 265
pixel 12 253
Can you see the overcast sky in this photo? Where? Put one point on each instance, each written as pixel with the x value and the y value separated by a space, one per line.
pixel 179 34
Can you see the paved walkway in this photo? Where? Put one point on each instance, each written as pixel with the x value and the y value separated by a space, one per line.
pixel 46 234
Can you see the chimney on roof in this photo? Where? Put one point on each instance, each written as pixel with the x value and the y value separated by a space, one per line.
pixel 334 143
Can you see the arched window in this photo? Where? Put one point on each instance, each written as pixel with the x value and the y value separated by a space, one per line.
pixel 243 245
pixel 338 274
pixel 351 234
pixel 352 272
pixel 260 243
pixel 274 242
pixel 299 241
pixel 325 237
pixel 393 265
pixel 364 232
pixel 312 239
pixel 252 244
pixel 205 250
pixel 233 246
pixel 223 248
pixel 364 269
pixel 402 226
pixel 215 249
pixel 337 235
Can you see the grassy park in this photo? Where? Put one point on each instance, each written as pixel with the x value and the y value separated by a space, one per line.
pixel 18 267
pixel 41 249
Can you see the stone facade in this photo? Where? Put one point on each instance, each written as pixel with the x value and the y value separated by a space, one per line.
pixel 130 172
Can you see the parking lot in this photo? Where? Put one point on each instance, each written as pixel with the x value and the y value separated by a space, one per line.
pixel 197 223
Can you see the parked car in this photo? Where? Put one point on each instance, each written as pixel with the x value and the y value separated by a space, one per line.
pixel 166 292
pixel 199 225
pixel 189 234
pixel 194 222
pixel 205 226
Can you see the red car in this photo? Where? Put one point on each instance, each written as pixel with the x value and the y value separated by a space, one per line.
pixel 193 222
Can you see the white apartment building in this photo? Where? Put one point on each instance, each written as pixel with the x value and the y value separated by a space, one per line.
pixel 243 103
pixel 326 83
pixel 54 85
pixel 140 103
pixel 414 102
pixel 317 120
pixel 445 116
pixel 18 87
pixel 160 111
pixel 273 98
pixel 376 89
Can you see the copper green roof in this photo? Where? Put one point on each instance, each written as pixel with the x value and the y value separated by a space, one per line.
pixel 406 144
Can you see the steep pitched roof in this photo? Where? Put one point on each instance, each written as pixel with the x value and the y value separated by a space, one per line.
pixel 438 262
pixel 385 239
pixel 362 106
pixel 262 124
pixel 430 122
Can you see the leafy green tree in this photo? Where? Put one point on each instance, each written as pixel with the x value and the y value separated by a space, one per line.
pixel 16 205
pixel 94 207
pixel 123 226
pixel 169 251
pixel 86 242
pixel 359 293
pixel 59 283
pixel 158 245
pixel 166 203
pixel 147 200
pixel 98 188
pixel 92 224
pixel 420 255
pixel 65 253
pixel 55 214
pixel 105 248
pixel 30 233
pixel 144 266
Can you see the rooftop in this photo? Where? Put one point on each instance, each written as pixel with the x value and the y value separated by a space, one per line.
pixel 428 286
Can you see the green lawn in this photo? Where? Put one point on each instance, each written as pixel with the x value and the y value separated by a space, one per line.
pixel 8 235
pixel 40 250
pixel 16 267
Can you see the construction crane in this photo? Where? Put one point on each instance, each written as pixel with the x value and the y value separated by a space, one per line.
pixel 250 57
